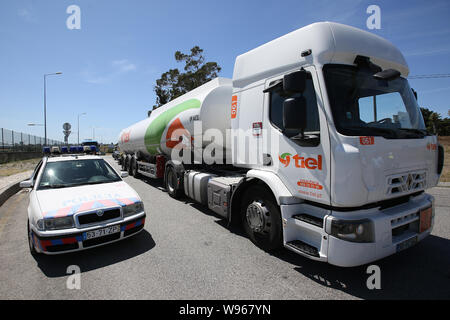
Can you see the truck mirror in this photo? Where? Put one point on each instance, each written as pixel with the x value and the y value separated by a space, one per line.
pixel 294 114
pixel 294 82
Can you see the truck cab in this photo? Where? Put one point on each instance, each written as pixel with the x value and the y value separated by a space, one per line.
pixel 338 137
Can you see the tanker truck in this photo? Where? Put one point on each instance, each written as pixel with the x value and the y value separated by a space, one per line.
pixel 317 144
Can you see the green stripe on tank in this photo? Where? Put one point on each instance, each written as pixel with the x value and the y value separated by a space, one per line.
pixel 156 128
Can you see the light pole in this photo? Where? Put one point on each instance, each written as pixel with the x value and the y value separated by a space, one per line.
pixel 45 103
pixel 81 114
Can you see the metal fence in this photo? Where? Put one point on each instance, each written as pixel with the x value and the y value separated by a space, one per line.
pixel 11 140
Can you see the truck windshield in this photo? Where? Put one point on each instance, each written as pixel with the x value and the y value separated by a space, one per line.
pixel 363 105
pixel 72 173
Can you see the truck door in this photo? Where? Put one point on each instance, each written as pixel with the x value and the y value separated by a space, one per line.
pixel 303 163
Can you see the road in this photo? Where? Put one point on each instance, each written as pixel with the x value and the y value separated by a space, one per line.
pixel 186 252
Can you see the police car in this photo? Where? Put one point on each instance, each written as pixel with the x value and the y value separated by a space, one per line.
pixel 79 202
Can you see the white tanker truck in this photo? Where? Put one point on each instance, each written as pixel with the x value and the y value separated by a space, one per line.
pixel 317 144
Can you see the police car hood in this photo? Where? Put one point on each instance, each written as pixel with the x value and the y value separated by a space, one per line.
pixel 69 201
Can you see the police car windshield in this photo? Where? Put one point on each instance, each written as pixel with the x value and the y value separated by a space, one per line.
pixel 71 173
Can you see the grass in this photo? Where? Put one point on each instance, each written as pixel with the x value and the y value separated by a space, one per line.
pixel 10 168
pixel 445 141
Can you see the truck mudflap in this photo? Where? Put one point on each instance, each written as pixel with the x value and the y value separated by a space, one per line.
pixel 394 229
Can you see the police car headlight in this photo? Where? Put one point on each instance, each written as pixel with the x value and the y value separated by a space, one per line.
pixel 353 230
pixel 58 223
pixel 134 208
pixel 40 224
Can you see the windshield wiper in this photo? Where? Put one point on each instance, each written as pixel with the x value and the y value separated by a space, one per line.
pixel 421 132
pixel 54 186
pixel 370 130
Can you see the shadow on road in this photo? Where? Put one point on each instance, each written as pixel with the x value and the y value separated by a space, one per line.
pixel 99 257
pixel 421 272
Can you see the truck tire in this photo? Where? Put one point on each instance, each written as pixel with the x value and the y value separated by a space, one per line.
pixel 261 218
pixel 134 167
pixel 123 163
pixel 130 165
pixel 171 182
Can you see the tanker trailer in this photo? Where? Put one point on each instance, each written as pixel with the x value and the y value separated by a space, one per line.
pixel 150 143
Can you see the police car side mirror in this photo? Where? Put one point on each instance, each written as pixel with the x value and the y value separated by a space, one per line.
pixel 26 184
pixel 123 174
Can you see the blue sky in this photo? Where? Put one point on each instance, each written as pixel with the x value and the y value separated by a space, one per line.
pixel 110 65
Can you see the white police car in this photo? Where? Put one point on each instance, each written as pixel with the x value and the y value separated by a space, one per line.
pixel 79 202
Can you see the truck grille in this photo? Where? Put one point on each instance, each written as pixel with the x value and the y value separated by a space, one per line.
pixel 93 217
pixel 404 183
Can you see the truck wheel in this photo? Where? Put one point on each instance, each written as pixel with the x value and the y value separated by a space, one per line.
pixel 134 167
pixel 171 183
pixel 130 166
pixel 124 163
pixel 30 240
pixel 261 218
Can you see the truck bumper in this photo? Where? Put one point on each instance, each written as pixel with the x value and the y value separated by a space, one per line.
pixel 75 239
pixel 395 229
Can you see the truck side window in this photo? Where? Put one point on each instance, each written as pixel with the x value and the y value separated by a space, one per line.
pixel 277 98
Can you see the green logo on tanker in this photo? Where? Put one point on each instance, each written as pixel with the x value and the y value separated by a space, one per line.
pixel 158 125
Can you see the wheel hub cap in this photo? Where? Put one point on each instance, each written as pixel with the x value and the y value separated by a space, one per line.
pixel 256 216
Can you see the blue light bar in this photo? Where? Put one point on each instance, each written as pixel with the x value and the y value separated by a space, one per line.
pixel 73 149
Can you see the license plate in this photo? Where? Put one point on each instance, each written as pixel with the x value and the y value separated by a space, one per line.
pixel 425 219
pixel 406 244
pixel 101 232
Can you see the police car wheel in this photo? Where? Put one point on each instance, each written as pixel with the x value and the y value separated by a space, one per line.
pixel 30 240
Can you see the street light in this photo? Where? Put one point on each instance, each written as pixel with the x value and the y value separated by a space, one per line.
pixel 81 114
pixel 45 103
pixel 35 124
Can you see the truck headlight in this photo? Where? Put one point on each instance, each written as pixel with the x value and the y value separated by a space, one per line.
pixel 353 230
pixel 134 208
pixel 58 223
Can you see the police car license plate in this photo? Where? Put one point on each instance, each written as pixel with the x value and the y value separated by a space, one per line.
pixel 102 232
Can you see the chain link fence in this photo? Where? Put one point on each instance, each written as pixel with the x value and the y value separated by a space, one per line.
pixel 11 140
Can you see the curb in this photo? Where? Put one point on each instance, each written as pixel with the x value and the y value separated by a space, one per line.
pixel 11 190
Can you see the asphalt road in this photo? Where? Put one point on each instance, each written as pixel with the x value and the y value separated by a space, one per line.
pixel 186 252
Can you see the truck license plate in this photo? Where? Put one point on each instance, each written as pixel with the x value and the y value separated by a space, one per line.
pixel 406 244
pixel 102 232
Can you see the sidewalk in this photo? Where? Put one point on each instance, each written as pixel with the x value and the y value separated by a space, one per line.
pixel 10 185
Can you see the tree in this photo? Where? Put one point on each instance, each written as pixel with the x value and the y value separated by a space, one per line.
pixel 174 83
pixel 434 122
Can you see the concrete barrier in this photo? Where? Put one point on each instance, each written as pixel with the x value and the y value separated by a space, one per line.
pixel 11 185
pixel 18 155
pixel 9 192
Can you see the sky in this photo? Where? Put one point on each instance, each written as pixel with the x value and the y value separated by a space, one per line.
pixel 111 63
